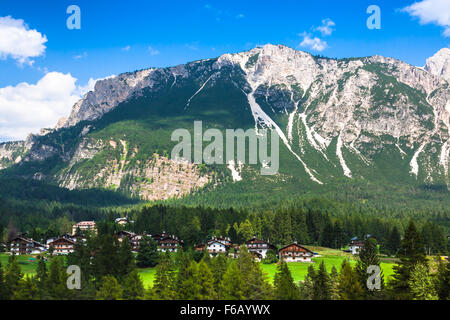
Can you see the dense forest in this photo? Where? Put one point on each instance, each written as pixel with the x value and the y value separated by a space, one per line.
pixel 311 222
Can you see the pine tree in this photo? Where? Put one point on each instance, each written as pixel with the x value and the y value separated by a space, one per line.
pixel 327 236
pixel 421 283
pixel 393 242
pixel 28 290
pixel 349 286
pixel 41 277
pixel 307 286
pixel 255 285
pixel 133 288
pixel 219 266
pixel 147 256
pixel 285 288
pixel 321 287
pixel 205 281
pixel 334 284
pixel 185 280
pixel 13 275
pixel 57 280
pixel 443 281
pixel 126 260
pixel 368 257
pixel 82 257
pixel 4 294
pixel 106 259
pixel 164 279
pixel 109 289
pixel 411 253
pixel 231 286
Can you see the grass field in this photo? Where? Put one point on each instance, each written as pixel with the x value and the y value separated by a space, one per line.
pixel 331 257
pixel 28 266
pixel 299 270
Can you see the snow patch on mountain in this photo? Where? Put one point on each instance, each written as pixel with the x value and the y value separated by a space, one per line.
pixel 414 163
pixel 235 173
pixel 347 171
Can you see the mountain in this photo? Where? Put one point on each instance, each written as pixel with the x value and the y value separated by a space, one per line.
pixel 439 64
pixel 371 121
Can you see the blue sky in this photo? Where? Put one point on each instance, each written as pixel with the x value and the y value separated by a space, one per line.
pixel 120 36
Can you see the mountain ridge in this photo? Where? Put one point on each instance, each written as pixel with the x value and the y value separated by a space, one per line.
pixel 354 118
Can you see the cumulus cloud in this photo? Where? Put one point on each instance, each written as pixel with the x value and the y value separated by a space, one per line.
pixel 313 43
pixel 26 108
pixel 327 27
pixel 19 42
pixel 432 11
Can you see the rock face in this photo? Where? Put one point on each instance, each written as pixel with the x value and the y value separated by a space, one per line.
pixel 346 118
pixel 155 179
pixel 356 102
pixel 439 64
pixel 109 93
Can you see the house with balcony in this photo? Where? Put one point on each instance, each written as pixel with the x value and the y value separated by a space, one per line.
pixel 259 247
pixel 295 253
pixel 21 245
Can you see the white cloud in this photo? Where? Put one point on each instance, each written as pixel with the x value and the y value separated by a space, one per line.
pixel 26 108
pixel 313 43
pixel 240 16
pixel 153 52
pixel 19 42
pixel 127 48
pixel 432 11
pixel 327 27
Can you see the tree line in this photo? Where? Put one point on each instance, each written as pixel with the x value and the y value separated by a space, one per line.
pixel 109 272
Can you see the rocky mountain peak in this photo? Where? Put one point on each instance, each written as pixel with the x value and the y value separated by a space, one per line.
pixel 439 64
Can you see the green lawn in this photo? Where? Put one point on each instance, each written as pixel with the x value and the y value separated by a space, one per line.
pixel 28 266
pixel 147 276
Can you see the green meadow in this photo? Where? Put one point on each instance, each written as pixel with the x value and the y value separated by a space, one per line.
pixel 331 257
pixel 299 270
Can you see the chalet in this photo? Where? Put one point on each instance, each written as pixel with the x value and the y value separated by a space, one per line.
pixel 256 255
pixel 218 245
pixel 21 245
pixel 295 253
pixel 76 238
pixel 62 246
pixel 84 226
pixel 259 247
pixel 169 244
pixel 135 240
pixel 355 246
pixel 122 234
pixel 121 221
pixel 159 236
